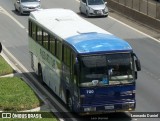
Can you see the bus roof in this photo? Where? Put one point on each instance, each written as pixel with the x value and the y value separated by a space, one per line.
pixel 97 42
pixel 83 35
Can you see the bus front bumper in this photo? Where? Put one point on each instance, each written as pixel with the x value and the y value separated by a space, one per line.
pixel 129 106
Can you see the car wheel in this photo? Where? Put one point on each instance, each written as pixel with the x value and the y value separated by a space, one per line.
pixel 87 14
pixel 20 11
pixel 80 10
pixel 106 16
pixel 15 8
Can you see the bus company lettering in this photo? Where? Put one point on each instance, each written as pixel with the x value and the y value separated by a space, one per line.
pixel 47 57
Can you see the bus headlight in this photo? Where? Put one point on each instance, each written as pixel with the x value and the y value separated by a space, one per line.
pixel 89 109
pixel 127 92
pixel 131 105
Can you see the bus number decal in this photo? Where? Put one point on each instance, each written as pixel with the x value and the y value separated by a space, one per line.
pixel 90 91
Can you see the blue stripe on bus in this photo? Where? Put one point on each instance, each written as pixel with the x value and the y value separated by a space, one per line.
pixel 94 42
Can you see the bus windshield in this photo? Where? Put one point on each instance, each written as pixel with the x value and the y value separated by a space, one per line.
pixel 108 69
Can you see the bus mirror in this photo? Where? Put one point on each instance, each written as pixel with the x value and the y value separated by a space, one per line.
pixel 0 47
pixel 137 61
pixel 138 65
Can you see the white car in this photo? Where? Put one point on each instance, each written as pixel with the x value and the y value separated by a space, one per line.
pixel 93 7
pixel 27 6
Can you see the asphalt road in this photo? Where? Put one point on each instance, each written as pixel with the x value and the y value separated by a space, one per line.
pixel 13 35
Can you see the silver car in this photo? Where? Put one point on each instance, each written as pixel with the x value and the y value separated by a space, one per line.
pixel 27 6
pixel 93 7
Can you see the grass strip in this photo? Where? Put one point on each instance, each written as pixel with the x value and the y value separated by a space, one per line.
pixel 16 95
pixel 5 68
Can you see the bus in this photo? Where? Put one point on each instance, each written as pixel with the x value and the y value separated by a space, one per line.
pixel 88 68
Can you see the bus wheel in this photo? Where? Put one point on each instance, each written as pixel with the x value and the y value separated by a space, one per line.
pixel 40 74
pixel 70 102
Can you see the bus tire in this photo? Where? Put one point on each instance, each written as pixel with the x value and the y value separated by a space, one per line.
pixel 40 74
pixel 70 102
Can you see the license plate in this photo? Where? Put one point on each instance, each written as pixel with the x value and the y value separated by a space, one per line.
pixel 109 107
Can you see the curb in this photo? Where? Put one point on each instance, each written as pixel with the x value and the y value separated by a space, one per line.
pixel 44 107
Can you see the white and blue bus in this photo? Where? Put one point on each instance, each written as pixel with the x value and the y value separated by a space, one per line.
pixel 90 69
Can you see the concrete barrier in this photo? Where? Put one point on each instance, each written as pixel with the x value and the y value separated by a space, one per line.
pixel 135 15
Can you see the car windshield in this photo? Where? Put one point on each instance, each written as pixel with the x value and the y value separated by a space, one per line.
pixel 95 2
pixel 29 0
pixel 107 69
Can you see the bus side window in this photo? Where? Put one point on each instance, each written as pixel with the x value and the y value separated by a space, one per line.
pixel 52 45
pixel 66 55
pixel 30 28
pixel 59 49
pixel 72 68
pixel 45 39
pixel 33 31
pixel 39 35
pixel 63 53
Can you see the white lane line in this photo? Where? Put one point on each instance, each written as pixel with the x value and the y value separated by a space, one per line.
pixel 17 62
pixel 5 12
pixel 133 28
pixel 13 65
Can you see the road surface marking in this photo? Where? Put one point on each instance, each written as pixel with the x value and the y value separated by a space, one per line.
pixel 2 10
pixel 133 28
